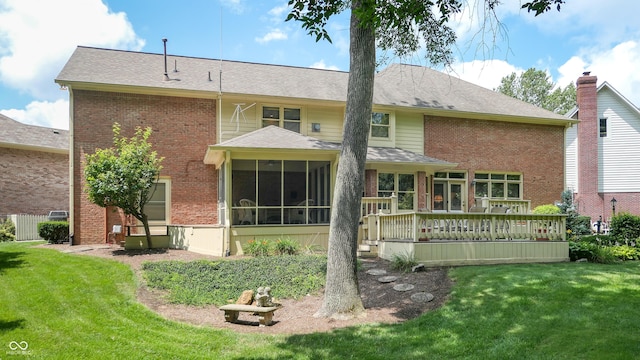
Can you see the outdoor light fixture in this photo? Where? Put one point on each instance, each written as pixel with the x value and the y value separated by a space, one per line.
pixel 613 205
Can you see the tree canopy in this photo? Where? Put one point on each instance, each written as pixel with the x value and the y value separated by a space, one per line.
pixel 536 87
pixel 124 175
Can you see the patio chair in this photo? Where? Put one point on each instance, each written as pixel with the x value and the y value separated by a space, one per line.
pixel 246 211
pixel 297 215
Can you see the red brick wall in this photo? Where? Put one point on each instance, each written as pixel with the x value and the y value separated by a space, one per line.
pixel 33 182
pixel 537 151
pixel 588 134
pixel 182 130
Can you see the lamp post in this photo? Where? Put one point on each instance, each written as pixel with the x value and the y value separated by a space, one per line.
pixel 613 205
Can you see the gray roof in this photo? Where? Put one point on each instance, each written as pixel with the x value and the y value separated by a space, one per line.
pixel 274 138
pixel 15 134
pixel 396 156
pixel 399 85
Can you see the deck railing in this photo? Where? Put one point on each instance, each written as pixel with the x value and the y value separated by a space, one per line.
pixel 470 226
pixel 376 205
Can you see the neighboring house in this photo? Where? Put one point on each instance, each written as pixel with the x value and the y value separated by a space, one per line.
pixel 34 168
pixel 603 151
pixel 251 150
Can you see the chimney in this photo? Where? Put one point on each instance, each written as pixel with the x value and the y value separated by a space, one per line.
pixel 588 139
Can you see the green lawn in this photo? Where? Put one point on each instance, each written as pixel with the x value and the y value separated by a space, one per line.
pixel 80 307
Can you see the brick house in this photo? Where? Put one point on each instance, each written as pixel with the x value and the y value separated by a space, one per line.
pixel 603 158
pixel 251 149
pixel 34 168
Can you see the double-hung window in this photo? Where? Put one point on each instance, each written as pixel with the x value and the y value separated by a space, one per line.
pixel 283 116
pixel 380 125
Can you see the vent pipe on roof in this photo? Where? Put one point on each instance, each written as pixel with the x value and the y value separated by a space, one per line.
pixel 166 74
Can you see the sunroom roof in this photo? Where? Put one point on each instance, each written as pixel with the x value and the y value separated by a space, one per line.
pixel 276 139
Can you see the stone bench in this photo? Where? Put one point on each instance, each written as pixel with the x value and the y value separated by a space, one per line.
pixel 265 314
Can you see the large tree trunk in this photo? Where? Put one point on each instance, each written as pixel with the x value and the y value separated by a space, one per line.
pixel 342 296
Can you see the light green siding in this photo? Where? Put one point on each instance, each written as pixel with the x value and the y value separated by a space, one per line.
pixel 410 132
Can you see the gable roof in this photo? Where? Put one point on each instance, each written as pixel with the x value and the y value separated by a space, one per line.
pixel 400 85
pixel 14 134
pixel 605 85
pixel 263 139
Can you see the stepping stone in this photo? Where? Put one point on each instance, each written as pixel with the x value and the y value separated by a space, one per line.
pixel 387 279
pixel 422 297
pixel 403 287
pixel 376 272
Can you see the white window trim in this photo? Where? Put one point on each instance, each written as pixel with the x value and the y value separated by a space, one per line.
pixel 303 120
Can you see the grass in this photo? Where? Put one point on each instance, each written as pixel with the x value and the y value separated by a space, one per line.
pixel 69 307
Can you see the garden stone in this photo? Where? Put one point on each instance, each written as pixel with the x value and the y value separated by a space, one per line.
pixel 387 279
pixel 246 298
pixel 422 297
pixel 403 287
pixel 376 272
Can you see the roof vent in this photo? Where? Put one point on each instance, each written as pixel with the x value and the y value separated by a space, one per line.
pixel 166 74
pixel 55 131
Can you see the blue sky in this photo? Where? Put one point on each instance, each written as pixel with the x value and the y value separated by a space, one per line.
pixel 38 36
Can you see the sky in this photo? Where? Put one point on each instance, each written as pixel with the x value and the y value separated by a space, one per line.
pixel 37 37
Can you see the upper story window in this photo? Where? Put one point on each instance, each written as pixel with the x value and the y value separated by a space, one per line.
pixel 282 116
pixel 498 185
pixel 603 127
pixel 380 125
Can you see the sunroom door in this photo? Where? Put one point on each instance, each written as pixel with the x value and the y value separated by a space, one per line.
pixel 448 196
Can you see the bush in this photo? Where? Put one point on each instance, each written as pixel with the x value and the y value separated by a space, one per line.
pixel 603 240
pixel 403 262
pixel 266 247
pixel 548 209
pixel 258 247
pixel 626 252
pixel 625 226
pixel 582 250
pixel 7 230
pixel 286 246
pixel 55 232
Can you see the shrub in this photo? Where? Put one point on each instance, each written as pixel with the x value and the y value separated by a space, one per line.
pixel 603 240
pixel 258 247
pixel 625 226
pixel 605 255
pixel 54 232
pixel 403 261
pixel 626 252
pixel 548 209
pixel 7 230
pixel 286 246
pixel 582 250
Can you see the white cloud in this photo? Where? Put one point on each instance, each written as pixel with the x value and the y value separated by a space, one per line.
pixel 37 38
pixel 616 66
pixel 42 113
pixel 321 65
pixel 276 34
pixel 486 73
